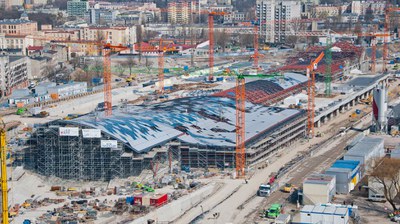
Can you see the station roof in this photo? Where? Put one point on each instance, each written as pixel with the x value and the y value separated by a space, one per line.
pixel 204 121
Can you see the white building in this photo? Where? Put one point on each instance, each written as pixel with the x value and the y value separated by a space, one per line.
pixel 69 89
pixel 276 18
pixel 13 74
pixel 319 188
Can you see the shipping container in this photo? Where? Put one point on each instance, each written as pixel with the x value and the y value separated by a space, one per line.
pixel 130 200
pixel 146 200
pixel 137 199
pixel 158 200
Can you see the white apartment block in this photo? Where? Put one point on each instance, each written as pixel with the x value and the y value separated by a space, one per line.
pixel 13 74
pixel 179 11
pixel 275 18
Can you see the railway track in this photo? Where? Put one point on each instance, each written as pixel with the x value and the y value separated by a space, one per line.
pixel 303 168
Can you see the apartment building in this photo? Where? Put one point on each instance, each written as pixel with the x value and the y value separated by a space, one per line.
pixel 13 74
pixel 179 11
pixel 276 18
pixel 21 26
pixel 77 8
pixel 234 17
pixel 114 35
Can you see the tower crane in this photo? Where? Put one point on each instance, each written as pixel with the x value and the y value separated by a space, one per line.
pixel 211 40
pixel 4 187
pixel 240 98
pixel 161 67
pixel 311 94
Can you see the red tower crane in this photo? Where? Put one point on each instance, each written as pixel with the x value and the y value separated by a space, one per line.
pixel 161 67
pixel 211 40
pixel 311 94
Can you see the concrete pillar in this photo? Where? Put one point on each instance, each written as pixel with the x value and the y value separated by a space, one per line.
pixel 335 113
pixel 318 124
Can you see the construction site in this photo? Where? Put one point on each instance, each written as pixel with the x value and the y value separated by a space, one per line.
pixel 211 144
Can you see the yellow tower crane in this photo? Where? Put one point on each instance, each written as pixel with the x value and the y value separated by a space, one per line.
pixel 4 188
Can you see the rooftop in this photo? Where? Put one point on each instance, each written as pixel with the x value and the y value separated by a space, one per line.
pixel 319 179
pixel 365 146
pixel 205 121
pixel 346 164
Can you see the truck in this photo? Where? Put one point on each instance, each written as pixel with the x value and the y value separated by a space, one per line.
pixel 287 188
pixel 264 190
pixel 274 211
pixel 21 111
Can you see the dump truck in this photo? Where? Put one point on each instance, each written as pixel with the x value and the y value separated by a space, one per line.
pixel 264 190
pixel 274 211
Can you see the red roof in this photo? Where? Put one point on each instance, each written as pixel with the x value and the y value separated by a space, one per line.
pixel 35 48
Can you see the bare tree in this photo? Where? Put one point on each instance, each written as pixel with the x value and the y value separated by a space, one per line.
pixel 139 37
pixel 291 40
pixel 81 76
pixel 49 71
pixel 120 70
pixel 130 63
pixel 246 40
pixel 148 63
pixel 386 172
pixel 222 39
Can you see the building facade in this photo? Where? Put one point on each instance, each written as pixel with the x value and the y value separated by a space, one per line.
pixel 22 26
pixel 77 8
pixel 179 11
pixel 13 74
pixel 275 18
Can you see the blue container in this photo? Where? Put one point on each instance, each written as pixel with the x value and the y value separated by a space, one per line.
pixel 185 67
pixel 358 111
pixel 129 200
pixel 220 79
pixel 27 221
pixel 168 88
pixel 166 70
pixel 96 80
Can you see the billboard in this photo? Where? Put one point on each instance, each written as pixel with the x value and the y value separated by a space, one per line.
pixel 109 144
pixel 91 133
pixel 68 131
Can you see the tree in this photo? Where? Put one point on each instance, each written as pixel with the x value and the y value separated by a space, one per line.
pixel 139 38
pixel 222 39
pixel 148 63
pixel 246 40
pixel 130 63
pixel 387 172
pixel 120 70
pixel 291 40
pixel 49 71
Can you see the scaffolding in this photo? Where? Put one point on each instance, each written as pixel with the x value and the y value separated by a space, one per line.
pixel 83 158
